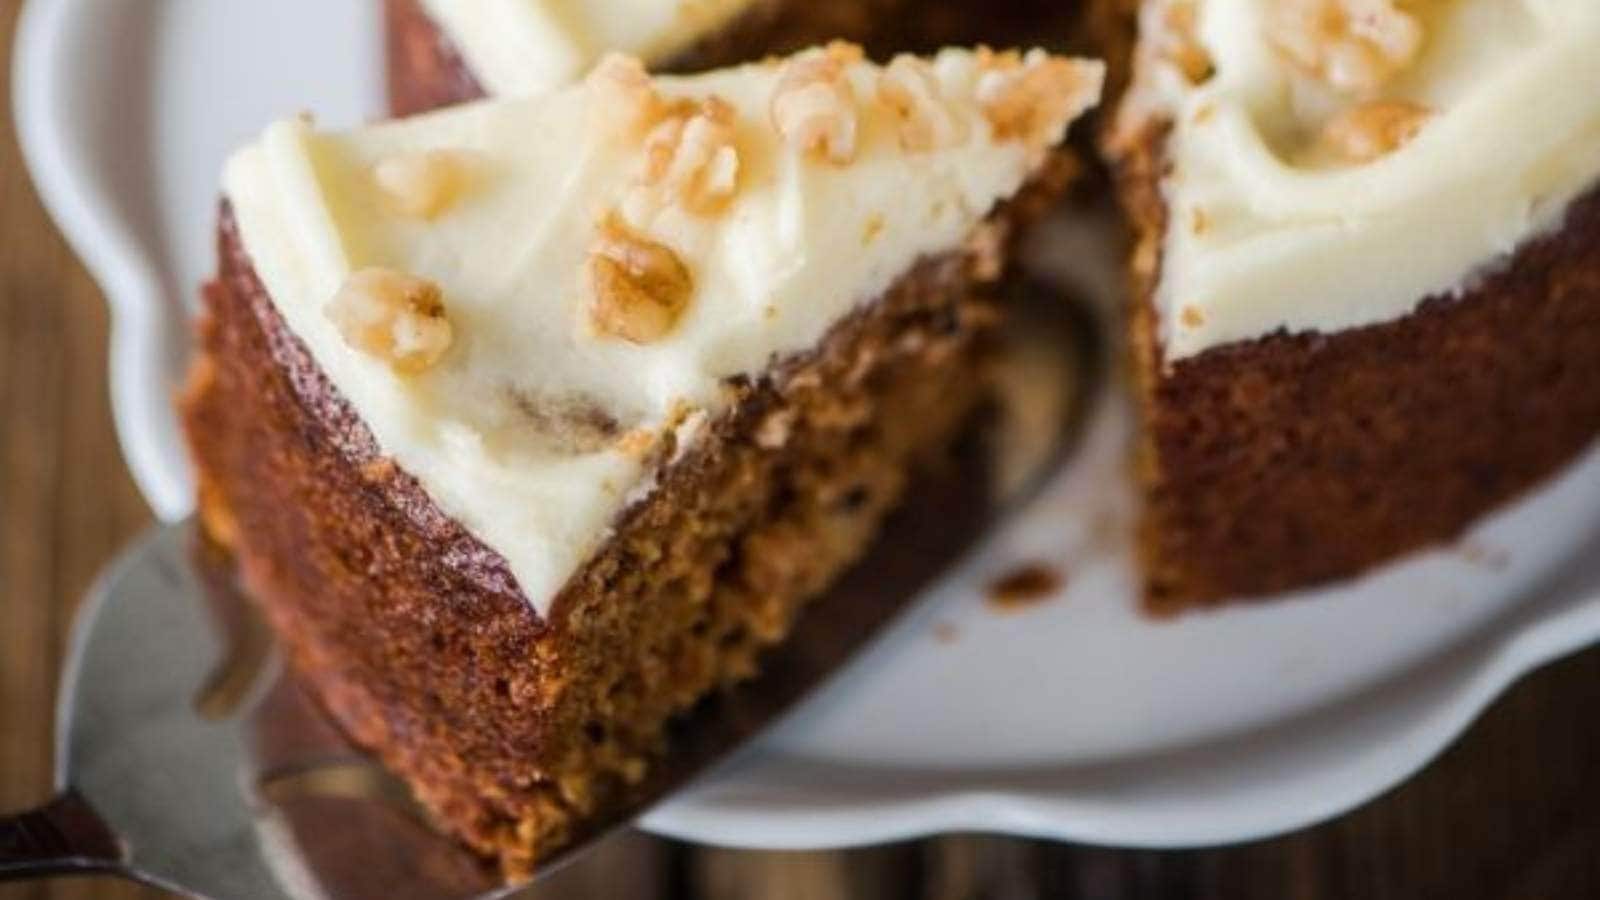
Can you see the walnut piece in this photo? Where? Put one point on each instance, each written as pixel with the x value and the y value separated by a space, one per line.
pixel 1032 98
pixel 425 184
pixel 814 104
pixel 641 287
pixel 622 98
pixel 1372 130
pixel 1179 44
pixel 693 155
pixel 926 121
pixel 395 317
pixel 1354 46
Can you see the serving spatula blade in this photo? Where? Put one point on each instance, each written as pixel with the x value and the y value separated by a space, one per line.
pixel 189 758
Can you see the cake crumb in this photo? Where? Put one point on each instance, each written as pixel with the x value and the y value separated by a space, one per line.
pixel 379 469
pixel 872 229
pixel 946 632
pixel 1024 587
pixel 1495 559
pixel 1107 528
pixel 986 248
pixel 1199 221
pixel 774 430
pixel 1192 317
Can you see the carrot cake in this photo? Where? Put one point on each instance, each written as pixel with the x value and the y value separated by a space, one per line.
pixel 1367 302
pixel 532 421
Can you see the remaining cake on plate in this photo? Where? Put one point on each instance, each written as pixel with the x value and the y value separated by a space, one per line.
pixel 532 421
pixel 446 51
pixel 1367 288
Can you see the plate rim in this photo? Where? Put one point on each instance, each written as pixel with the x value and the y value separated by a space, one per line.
pixel 143 334
pixel 1498 661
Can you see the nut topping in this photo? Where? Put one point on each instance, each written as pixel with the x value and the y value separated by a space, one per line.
pixel 814 105
pixel 641 287
pixel 392 316
pixel 1032 98
pixel 1353 45
pixel 910 91
pixel 622 97
pixel 1179 44
pixel 427 184
pixel 1372 130
pixel 692 155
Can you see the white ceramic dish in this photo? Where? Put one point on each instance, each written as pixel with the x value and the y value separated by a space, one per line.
pixel 1072 719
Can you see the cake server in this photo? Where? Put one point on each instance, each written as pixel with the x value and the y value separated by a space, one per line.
pixel 187 757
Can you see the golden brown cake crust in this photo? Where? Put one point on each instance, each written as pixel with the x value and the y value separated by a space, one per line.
pixel 413 634
pixel 1296 459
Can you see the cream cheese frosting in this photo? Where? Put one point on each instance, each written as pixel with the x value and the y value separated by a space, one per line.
pixel 525 427
pixel 520 46
pixel 1498 105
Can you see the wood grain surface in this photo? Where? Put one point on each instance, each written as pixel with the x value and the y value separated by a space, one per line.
pixel 1512 811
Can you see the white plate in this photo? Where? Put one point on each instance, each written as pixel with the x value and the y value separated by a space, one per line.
pixel 1072 719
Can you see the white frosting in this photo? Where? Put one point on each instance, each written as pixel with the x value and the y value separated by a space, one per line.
pixel 1261 239
pixel 521 46
pixel 801 246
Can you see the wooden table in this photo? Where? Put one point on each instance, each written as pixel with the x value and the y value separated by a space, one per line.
pixel 1513 811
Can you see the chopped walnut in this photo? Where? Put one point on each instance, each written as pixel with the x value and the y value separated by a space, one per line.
pixel 814 104
pixel 1352 45
pixel 637 443
pixel 1032 98
pixel 427 184
pixel 693 155
pixel 393 316
pixel 641 287
pixel 622 98
pixel 1372 130
pixel 909 89
pixel 1180 45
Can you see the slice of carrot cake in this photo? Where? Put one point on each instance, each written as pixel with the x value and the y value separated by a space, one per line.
pixel 1368 296
pixel 532 421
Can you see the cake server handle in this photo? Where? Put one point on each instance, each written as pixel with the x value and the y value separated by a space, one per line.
pixel 64 836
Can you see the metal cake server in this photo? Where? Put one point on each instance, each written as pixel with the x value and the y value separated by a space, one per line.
pixel 189 759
